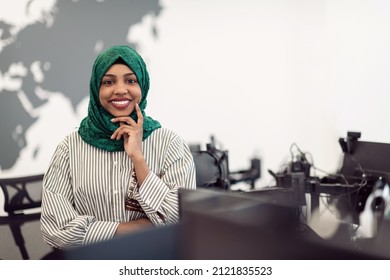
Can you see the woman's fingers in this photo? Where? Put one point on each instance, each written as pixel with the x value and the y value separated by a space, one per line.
pixel 124 129
pixel 139 115
pixel 130 121
pixel 124 120
pixel 127 125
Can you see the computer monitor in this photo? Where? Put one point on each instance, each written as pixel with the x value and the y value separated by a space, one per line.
pixel 370 158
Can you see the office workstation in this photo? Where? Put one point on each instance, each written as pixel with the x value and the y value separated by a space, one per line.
pixel 275 222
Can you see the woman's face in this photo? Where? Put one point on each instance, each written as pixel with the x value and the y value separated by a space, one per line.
pixel 119 90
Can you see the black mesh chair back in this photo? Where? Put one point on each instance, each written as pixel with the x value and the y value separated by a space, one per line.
pixel 22 201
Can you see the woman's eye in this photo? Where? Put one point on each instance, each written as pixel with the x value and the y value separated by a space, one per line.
pixel 131 81
pixel 107 82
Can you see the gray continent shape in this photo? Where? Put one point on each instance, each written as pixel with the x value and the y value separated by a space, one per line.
pixel 68 46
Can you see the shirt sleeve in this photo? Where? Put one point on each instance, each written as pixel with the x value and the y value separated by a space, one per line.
pixel 158 194
pixel 62 227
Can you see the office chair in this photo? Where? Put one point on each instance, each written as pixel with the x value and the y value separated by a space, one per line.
pixel 22 202
pixel 212 168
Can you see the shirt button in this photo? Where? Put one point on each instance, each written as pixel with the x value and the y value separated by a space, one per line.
pixel 116 192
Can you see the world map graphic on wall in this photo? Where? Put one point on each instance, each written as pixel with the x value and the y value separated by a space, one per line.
pixel 53 57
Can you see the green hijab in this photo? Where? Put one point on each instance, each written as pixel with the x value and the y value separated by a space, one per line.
pixel 97 128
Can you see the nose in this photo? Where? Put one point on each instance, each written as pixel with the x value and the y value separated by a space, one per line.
pixel 120 88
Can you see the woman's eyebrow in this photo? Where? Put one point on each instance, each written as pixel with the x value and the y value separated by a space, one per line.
pixel 129 74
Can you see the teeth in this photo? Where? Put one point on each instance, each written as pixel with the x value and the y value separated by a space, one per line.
pixel 121 102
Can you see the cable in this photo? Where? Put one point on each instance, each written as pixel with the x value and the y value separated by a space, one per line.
pixel 299 150
pixel 351 203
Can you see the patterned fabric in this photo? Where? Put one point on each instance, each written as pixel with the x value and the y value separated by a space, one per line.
pixel 131 203
pixel 85 188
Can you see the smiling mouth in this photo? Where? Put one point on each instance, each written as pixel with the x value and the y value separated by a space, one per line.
pixel 120 104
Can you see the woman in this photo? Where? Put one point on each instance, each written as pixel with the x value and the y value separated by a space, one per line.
pixel 121 171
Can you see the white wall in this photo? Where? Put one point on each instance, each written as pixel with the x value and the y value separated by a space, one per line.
pixel 261 75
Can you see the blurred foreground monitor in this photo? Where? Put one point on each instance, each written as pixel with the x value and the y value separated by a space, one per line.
pixel 225 226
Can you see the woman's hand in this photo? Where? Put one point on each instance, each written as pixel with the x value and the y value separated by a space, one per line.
pixel 131 132
pixel 133 226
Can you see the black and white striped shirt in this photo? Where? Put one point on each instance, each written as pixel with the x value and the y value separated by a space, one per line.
pixel 84 188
